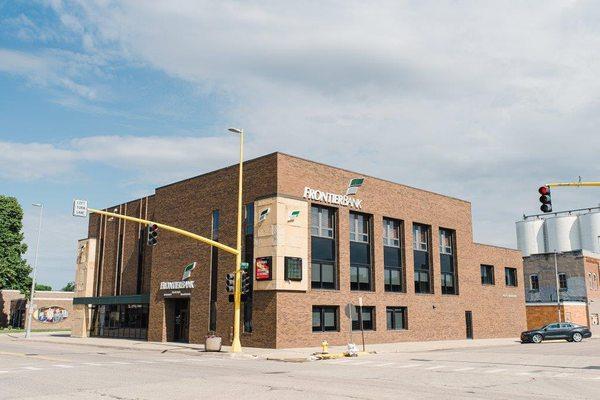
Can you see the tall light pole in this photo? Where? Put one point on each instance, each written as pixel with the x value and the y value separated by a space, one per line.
pixel 236 345
pixel 557 286
pixel 35 261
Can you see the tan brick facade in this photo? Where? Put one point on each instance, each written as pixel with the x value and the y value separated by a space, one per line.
pixel 282 318
pixel 53 310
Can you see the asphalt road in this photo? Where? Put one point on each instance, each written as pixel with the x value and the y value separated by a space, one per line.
pixel 549 370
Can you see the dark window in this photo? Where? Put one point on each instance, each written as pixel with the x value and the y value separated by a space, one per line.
pixel 324 318
pixel 392 255
pixel 249 258
pixel 448 262
pixel 562 281
pixel 368 318
pixel 323 262
pixel 534 283
pixel 421 257
pixel 510 276
pixel 396 318
pixel 360 252
pixel 487 274
pixel 214 271
pixel 119 321
pixel 293 269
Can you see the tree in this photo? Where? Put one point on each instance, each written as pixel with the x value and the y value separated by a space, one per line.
pixel 14 271
pixel 69 287
pixel 41 286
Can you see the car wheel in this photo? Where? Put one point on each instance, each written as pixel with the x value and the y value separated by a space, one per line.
pixel 577 337
pixel 537 338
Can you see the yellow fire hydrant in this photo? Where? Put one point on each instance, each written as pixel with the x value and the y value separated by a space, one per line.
pixel 325 346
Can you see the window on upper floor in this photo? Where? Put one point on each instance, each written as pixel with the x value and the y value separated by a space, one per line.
pixel 510 276
pixel 562 281
pixel 360 251
pixel 392 255
pixel 421 257
pixel 487 274
pixel 534 283
pixel 448 261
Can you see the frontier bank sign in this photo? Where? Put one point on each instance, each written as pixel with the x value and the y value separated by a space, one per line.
pixel 332 198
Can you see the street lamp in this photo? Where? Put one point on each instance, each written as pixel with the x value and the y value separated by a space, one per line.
pixel 31 297
pixel 236 345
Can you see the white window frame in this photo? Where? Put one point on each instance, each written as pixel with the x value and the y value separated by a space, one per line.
pixel 417 234
pixel 389 239
pixel 355 235
pixel 446 233
pixel 323 231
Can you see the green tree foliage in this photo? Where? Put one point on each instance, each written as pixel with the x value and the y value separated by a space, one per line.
pixel 69 287
pixel 41 286
pixel 14 271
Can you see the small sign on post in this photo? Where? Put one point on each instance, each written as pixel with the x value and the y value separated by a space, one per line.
pixel 80 208
pixel 244 266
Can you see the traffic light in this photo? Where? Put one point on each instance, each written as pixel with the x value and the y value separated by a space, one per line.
pixel 245 282
pixel 545 199
pixel 230 282
pixel 152 234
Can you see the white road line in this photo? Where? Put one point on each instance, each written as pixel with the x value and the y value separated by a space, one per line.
pixel 62 366
pixel 408 366
pixel 3 372
pixel 384 364
pixel 363 363
pixel 95 364
pixel 435 367
pixel 147 362
pixel 121 362
pixel 175 360
pixel 563 375
pixel 596 378
pixel 524 373
pixel 493 371
pixel 32 368
pixel 463 369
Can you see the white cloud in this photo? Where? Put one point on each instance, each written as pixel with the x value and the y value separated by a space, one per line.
pixel 482 100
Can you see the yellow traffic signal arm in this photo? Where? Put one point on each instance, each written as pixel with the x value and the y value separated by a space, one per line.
pixel 169 228
pixel 576 184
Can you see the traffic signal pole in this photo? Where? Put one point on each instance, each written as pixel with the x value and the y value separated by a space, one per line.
pixel 236 345
pixel 575 184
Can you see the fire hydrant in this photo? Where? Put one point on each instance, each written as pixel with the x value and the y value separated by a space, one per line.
pixel 325 346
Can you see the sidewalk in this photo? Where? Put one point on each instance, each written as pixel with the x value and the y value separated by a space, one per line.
pixel 296 354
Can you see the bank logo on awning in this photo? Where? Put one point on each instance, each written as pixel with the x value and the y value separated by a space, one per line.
pixel 187 271
pixel 354 185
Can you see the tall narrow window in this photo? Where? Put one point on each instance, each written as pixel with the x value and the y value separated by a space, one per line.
pixel 562 281
pixel 422 258
pixel 360 252
pixel 323 248
pixel 448 262
pixel 510 276
pixel 249 258
pixel 487 275
pixel 392 255
pixel 534 283
pixel 214 271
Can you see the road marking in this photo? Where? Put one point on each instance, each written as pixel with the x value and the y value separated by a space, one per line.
pixel 464 369
pixel 598 377
pixel 524 373
pixel 32 368
pixel 62 366
pixel 339 361
pixel 363 363
pixel 3 372
pixel 121 362
pixel 172 360
pixel 563 375
pixel 409 366
pixel 94 364
pixel 493 371
pixel 383 365
pixel 147 362
pixel 435 367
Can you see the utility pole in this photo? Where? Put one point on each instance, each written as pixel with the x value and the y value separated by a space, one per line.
pixel 236 345
pixel 35 261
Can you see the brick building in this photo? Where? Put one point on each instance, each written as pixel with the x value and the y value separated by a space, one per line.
pixel 578 289
pixel 316 238
pixel 52 309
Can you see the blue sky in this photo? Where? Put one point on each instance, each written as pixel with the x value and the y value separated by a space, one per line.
pixel 109 99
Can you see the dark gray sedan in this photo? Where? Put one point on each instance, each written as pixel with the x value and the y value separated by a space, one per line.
pixel 557 331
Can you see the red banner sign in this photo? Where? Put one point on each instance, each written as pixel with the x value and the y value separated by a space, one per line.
pixel 263 269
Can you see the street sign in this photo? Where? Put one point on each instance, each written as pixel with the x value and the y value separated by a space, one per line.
pixel 80 208
pixel 245 266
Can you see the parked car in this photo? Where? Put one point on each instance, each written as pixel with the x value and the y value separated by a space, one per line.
pixel 555 331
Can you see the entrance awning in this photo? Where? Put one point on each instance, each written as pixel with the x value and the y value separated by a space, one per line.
pixel 129 299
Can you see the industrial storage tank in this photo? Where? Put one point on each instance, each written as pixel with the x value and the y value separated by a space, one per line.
pixel 589 227
pixel 530 237
pixel 562 233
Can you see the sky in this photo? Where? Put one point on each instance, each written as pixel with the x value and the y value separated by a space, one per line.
pixel 481 100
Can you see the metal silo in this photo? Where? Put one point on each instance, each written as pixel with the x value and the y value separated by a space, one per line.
pixel 589 228
pixel 530 237
pixel 562 233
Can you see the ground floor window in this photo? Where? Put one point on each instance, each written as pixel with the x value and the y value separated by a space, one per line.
pixel 396 318
pixel 368 318
pixel 120 321
pixel 324 318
